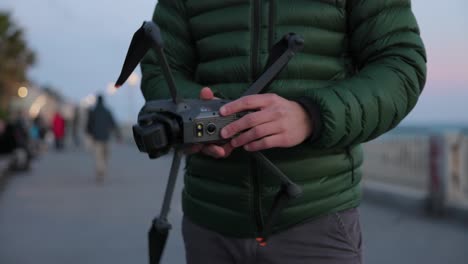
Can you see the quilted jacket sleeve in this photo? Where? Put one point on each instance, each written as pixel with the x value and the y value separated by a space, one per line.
pixel 170 16
pixel 390 61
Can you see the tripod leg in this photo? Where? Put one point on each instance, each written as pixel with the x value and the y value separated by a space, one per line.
pixel 159 232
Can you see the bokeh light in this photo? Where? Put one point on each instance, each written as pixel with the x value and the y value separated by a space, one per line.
pixel 23 92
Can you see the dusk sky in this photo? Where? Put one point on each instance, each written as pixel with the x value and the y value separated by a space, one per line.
pixel 81 46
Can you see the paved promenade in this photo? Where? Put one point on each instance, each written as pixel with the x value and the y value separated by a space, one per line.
pixel 57 214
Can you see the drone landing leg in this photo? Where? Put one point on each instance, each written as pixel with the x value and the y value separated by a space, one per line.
pixel 288 191
pixel 159 231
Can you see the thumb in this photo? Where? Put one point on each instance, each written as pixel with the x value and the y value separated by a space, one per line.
pixel 206 94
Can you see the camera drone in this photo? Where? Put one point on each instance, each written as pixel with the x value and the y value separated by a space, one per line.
pixel 176 123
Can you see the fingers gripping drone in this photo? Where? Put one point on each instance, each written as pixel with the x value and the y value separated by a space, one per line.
pixel 177 123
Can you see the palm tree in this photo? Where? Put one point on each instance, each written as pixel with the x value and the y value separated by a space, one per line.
pixel 15 58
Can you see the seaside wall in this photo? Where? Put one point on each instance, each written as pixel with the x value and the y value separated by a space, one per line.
pixel 429 167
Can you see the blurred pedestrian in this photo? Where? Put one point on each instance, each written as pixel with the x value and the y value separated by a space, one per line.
pixel 4 141
pixel 35 137
pixel 5 147
pixel 43 129
pixel 101 124
pixel 14 141
pixel 58 127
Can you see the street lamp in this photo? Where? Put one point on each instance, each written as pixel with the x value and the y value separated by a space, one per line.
pixel 88 101
pixel 23 92
pixel 37 105
pixel 133 80
pixel 111 90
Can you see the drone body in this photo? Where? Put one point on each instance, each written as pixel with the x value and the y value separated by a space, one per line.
pixel 162 124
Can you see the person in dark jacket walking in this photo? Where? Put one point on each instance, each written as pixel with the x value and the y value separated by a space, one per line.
pixel 360 73
pixel 100 126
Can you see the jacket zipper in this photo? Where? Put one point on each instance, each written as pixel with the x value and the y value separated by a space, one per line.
pixel 272 24
pixel 255 71
pixel 257 205
pixel 349 154
pixel 256 24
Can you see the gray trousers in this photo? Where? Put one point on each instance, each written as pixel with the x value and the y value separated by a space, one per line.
pixel 101 150
pixel 331 239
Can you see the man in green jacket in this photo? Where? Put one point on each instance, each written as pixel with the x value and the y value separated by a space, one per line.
pixel 360 73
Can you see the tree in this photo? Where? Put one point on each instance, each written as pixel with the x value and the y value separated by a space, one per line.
pixel 15 58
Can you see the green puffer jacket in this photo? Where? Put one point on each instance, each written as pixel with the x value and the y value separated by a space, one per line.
pixel 363 66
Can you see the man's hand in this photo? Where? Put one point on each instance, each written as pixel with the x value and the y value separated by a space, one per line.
pixel 212 150
pixel 277 123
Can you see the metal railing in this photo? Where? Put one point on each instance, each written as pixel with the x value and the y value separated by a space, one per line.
pixel 434 166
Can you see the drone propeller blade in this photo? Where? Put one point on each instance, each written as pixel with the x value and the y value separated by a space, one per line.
pixel 138 48
pixel 148 36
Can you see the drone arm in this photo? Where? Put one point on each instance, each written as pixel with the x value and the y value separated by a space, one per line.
pixel 180 53
pixel 154 86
